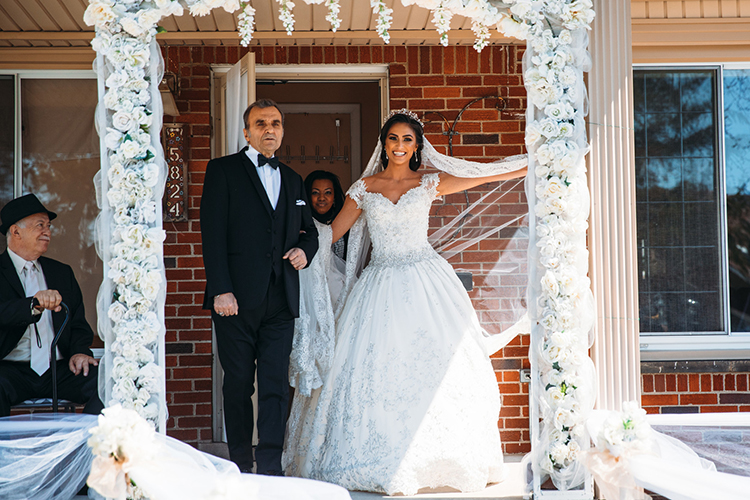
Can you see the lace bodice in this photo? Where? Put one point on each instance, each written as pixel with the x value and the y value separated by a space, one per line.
pixel 398 230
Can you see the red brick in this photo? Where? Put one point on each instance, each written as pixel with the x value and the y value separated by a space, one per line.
pixel 377 54
pixel 698 399
pixel 516 448
pixel 647 383
pixel 191 397
pixel 305 55
pixel 424 60
pixel 317 54
pixel 741 379
pixel 193 360
pixel 352 55
pixel 472 61
pixel 706 383
pixel 424 81
pixel 718 409
pixel 185 435
pixel 406 92
pixel 463 80
pixel 729 382
pixel 660 400
pixel 437 59
pixel 191 373
pixel 413 58
pixel 187 422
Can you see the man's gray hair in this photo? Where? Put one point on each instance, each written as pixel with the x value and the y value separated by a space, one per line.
pixel 261 104
pixel 20 223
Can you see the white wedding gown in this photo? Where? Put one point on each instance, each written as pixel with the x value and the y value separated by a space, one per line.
pixel 411 400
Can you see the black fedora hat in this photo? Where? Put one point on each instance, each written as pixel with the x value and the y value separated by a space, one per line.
pixel 21 208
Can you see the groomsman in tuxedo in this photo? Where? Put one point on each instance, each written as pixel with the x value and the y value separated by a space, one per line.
pixel 31 290
pixel 257 232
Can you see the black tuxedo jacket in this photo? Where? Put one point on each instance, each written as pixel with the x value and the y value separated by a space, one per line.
pixel 15 308
pixel 236 227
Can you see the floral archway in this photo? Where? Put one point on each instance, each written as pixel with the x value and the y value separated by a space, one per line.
pixel 132 177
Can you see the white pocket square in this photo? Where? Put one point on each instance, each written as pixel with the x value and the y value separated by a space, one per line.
pixel 301 203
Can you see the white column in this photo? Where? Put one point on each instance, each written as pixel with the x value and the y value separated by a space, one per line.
pixel 612 232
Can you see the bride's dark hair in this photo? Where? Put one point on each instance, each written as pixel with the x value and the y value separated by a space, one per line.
pixel 416 160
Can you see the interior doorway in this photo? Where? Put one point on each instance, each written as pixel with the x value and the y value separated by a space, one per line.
pixel 329 126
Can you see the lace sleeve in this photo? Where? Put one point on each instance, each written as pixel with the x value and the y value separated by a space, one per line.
pixel 430 183
pixel 357 191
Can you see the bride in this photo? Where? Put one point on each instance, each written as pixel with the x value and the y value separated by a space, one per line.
pixel 409 399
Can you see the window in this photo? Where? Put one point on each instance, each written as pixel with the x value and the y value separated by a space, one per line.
pixel 49 147
pixel 692 149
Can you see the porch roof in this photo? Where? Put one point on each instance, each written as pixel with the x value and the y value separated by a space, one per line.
pixel 59 23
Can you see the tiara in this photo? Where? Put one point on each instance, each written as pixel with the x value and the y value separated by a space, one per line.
pixel 404 111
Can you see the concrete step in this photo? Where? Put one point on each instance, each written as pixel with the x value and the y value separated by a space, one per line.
pixel 511 489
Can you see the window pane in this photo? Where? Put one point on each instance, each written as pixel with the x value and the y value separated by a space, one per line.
pixel 60 157
pixel 7 139
pixel 676 202
pixel 737 146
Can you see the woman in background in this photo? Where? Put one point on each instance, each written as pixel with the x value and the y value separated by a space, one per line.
pixel 326 199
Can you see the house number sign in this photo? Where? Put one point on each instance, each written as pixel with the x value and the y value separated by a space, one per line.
pixel 175 194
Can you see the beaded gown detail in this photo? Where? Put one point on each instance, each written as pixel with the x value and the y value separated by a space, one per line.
pixel 411 400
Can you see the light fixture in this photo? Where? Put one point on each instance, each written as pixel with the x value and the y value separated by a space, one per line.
pixel 169 88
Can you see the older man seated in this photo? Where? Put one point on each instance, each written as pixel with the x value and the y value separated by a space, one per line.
pixel 31 290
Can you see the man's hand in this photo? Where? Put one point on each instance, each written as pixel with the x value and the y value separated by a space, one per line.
pixel 297 258
pixel 81 362
pixel 48 299
pixel 226 304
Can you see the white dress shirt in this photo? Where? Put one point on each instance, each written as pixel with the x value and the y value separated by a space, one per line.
pixel 270 177
pixel 22 351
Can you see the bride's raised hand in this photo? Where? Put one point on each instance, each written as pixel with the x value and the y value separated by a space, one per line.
pixel 345 219
pixel 452 184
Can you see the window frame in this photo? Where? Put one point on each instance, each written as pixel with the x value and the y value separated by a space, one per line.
pixel 704 345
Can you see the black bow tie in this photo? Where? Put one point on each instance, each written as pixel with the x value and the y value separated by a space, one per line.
pixel 273 162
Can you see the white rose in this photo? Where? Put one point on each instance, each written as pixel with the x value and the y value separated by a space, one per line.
pixel 124 389
pixel 141 117
pixel 565 37
pixel 98 14
pixel 131 24
pixel 513 28
pixel 549 128
pixel 116 80
pixel 116 311
pixel 560 339
pixel 123 121
pixel 549 284
pixel 559 453
pixel 132 150
pixel 123 368
pixel 145 356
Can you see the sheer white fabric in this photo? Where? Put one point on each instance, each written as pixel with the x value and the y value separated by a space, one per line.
pixel 178 472
pixel 44 457
pixel 672 469
pixel 411 399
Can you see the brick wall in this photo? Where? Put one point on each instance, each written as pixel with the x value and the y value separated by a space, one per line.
pixel 695 386
pixel 435 82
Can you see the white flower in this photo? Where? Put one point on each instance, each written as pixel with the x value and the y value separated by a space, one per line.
pixel 513 28
pixel 124 369
pixel 549 284
pixel 99 13
pixel 123 121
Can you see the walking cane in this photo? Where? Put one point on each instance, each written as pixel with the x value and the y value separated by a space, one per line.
pixel 53 357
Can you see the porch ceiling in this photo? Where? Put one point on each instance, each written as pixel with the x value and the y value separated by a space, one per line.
pixel 59 23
